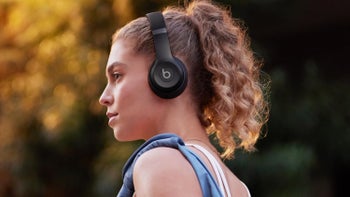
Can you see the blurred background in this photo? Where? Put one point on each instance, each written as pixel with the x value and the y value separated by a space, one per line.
pixel 53 135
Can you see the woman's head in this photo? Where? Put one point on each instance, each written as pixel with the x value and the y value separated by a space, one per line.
pixel 128 98
pixel 223 75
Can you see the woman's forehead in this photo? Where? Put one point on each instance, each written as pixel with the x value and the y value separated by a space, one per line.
pixel 120 50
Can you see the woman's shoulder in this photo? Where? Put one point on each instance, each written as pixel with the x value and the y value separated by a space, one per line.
pixel 161 158
pixel 164 171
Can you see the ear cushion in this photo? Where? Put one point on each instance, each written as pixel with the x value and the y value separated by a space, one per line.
pixel 168 79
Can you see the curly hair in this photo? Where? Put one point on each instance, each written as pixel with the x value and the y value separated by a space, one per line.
pixel 223 73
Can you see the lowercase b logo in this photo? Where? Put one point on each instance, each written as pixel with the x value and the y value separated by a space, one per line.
pixel 166 74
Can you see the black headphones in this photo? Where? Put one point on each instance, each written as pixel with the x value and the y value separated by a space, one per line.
pixel 168 75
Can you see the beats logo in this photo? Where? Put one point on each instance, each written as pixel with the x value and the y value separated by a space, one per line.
pixel 166 74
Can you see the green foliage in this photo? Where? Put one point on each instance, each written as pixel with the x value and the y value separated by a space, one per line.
pixel 281 170
pixel 307 140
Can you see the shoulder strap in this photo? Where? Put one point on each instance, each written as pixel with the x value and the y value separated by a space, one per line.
pixel 207 182
pixel 220 175
pixel 245 186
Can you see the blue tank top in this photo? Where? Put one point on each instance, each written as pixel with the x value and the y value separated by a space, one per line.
pixel 207 183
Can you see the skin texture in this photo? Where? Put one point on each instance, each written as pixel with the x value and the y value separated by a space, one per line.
pixel 135 112
pixel 128 98
pixel 164 177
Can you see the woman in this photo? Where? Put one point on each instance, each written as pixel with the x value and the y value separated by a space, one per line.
pixel 173 81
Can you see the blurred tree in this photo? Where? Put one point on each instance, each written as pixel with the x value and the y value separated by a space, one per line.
pixel 304 153
pixel 50 79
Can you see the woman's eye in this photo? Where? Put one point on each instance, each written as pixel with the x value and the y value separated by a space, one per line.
pixel 116 75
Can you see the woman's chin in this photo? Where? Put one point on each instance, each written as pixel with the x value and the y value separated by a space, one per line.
pixel 122 136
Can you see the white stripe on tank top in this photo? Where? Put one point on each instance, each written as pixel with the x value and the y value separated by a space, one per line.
pixel 219 173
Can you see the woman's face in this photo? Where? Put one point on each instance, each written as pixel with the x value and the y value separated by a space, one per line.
pixel 134 111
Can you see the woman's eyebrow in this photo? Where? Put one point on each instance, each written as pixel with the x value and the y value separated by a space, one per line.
pixel 114 65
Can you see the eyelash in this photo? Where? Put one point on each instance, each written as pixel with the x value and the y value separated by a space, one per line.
pixel 116 75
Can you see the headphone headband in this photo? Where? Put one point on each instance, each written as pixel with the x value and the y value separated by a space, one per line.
pixel 160 36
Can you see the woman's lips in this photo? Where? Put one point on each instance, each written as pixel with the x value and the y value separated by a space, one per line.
pixel 110 114
pixel 112 117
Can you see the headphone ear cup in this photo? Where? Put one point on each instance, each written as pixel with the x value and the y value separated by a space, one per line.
pixel 168 75
pixel 168 79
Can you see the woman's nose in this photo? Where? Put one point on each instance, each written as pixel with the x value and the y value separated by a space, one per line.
pixel 106 98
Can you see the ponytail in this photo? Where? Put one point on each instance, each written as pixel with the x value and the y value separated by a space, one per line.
pixel 236 110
